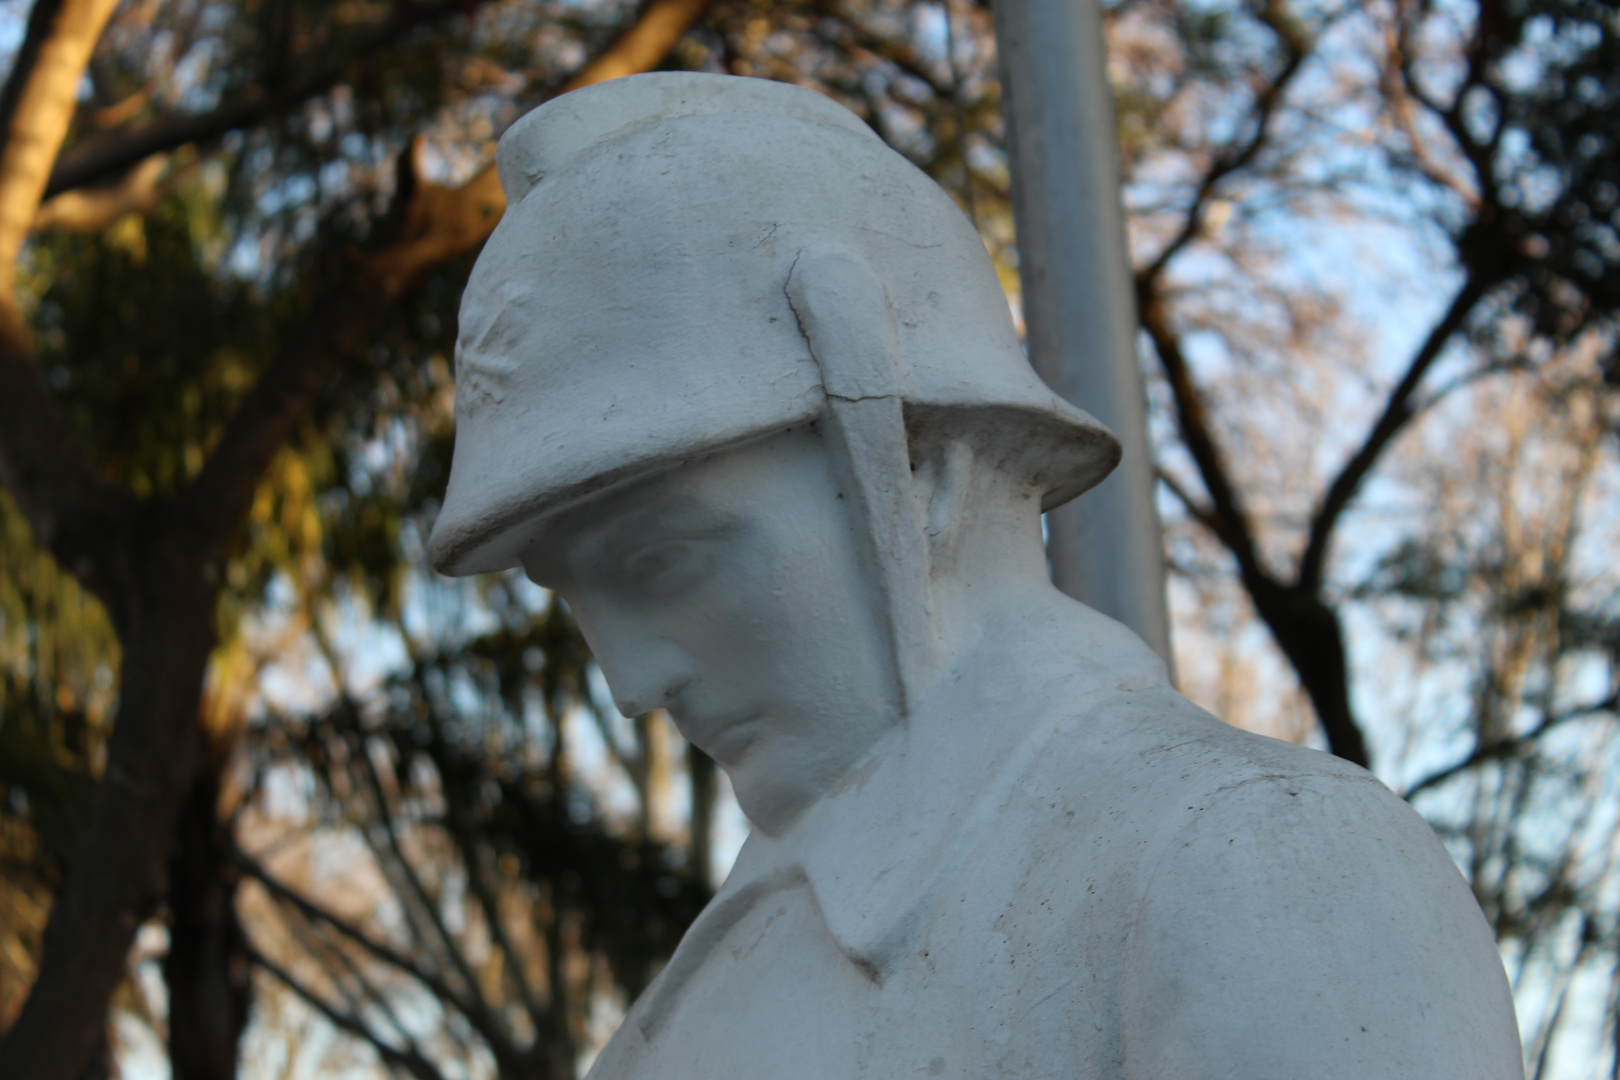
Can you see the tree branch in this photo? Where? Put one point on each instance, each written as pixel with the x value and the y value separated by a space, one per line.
pixel 1295 49
pixel 1305 628
pixel 108 154
pixel 412 1063
pixel 1195 509
pixel 644 45
pixel 1398 411
pixel 314 912
pixel 92 209
pixel 479 1013
pixel 1480 55
pixel 439 224
pixel 1226 514
pixel 477 1010
pixel 41 20
pixel 354 293
pixel 1506 748
pixel 72 513
pixel 465 835
pixel 46 98
pixel 326 954
pixel 1400 94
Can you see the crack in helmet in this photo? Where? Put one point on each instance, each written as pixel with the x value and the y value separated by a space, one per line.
pixel 631 310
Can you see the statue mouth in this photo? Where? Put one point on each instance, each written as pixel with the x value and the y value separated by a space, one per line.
pixel 727 741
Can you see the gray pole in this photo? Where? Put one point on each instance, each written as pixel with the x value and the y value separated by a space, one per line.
pixel 1079 308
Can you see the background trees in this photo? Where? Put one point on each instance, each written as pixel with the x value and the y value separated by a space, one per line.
pixel 292 804
pixel 1454 154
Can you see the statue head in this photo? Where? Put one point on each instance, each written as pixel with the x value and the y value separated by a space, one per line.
pixel 742 384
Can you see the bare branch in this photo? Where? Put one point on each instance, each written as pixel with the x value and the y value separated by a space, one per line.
pixel 464 833
pixel 1398 412
pixel 1295 50
pixel 318 948
pixel 1477 60
pixel 1513 747
pixel 476 1008
pixel 1195 507
pixel 1400 95
pixel 1305 628
pixel 473 1005
pixel 1226 515
pixel 314 912
pixel 411 1062
pixel 863 43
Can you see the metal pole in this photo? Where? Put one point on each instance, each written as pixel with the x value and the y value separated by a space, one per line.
pixel 1079 306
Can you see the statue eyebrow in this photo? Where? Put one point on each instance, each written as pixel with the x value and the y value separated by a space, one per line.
pixel 667 516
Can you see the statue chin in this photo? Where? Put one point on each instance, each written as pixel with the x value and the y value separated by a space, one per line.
pixel 740 384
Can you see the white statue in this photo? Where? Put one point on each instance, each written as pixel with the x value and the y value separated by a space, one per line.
pixel 740 383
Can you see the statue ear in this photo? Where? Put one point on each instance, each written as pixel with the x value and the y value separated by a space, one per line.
pixel 845 318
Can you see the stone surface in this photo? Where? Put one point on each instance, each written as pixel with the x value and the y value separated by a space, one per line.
pixel 740 384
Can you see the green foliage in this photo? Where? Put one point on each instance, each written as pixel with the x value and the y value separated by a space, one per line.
pixel 58 654
pixel 148 347
pixel 57 658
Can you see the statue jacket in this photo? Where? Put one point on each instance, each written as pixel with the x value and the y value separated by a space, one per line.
pixel 1061 868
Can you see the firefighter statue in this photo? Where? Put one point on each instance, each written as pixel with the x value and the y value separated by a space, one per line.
pixel 741 385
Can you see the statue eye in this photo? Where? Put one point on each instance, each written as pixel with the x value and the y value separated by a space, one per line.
pixel 664 567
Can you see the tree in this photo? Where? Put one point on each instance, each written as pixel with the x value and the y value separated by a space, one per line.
pixel 1477 144
pixel 152 540
pixel 1481 146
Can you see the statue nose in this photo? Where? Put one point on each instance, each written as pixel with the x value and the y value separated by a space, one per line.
pixel 643 673
pixel 644 699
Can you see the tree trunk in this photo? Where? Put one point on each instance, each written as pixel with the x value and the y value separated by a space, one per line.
pixel 207 968
pixel 100 1064
pixel 41 105
pixel 155 564
pixel 164 613
pixel 1308 632
pixel 704 788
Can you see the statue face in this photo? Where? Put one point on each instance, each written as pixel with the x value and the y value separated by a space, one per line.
pixel 731 591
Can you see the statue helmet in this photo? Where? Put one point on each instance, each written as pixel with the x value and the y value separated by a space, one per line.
pixel 632 310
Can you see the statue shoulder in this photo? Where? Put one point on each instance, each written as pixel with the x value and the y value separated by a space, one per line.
pixel 1293 916
pixel 1281 912
pixel 1140 743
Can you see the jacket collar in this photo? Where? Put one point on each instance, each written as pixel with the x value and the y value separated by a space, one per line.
pixel 878 851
